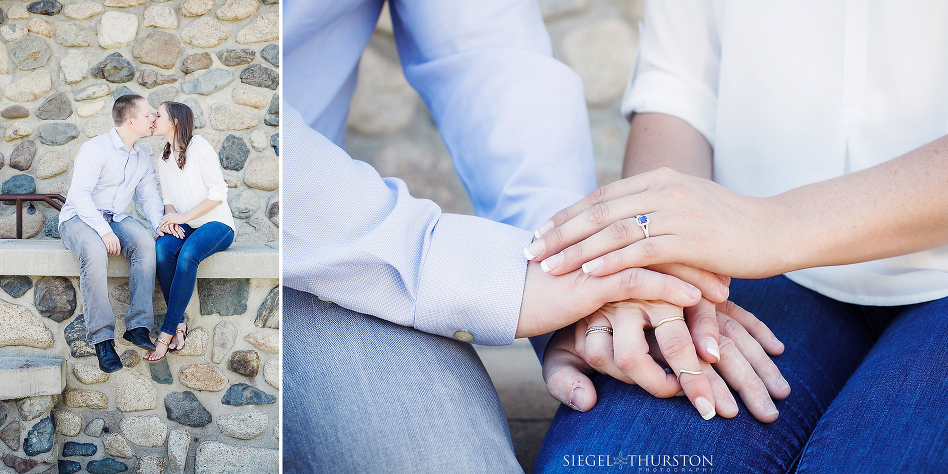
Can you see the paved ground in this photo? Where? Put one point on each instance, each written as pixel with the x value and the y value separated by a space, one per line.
pixel 515 371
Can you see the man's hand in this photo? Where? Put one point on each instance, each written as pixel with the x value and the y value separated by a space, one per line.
pixel 112 244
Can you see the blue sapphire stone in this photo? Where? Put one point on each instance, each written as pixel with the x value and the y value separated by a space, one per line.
pixel 642 220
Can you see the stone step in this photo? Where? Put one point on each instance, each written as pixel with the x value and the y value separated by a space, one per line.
pixel 29 376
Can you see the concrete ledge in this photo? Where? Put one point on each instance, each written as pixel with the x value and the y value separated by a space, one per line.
pixel 31 376
pixel 51 258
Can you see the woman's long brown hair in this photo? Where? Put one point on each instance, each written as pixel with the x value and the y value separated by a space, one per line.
pixel 183 121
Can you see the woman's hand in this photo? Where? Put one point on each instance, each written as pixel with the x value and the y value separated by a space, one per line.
pixel 171 229
pixel 691 221
pixel 744 365
pixel 173 218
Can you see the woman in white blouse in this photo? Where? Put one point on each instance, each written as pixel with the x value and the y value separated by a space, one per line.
pixel 197 221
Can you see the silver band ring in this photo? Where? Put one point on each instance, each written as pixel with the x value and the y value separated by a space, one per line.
pixel 676 318
pixel 593 329
pixel 683 371
pixel 642 221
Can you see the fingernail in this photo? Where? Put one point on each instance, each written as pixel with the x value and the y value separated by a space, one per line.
pixel 782 383
pixel 725 279
pixel 694 293
pixel 705 408
pixel 592 265
pixel 729 405
pixel 552 262
pixel 712 347
pixel 777 342
pixel 770 409
pixel 576 398
pixel 543 229
pixel 535 248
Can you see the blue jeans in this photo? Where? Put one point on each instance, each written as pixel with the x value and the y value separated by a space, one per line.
pixel 869 393
pixel 363 394
pixel 178 261
pixel 138 248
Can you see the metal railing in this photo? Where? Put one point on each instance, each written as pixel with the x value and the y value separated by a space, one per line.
pixel 30 198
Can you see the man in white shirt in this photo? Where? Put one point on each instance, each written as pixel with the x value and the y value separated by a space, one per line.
pixel 109 170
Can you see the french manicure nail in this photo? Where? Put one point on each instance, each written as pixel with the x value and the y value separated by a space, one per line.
pixel 705 408
pixel 550 263
pixel 535 248
pixel 592 265
pixel 712 347
pixel 576 398
pixel 770 409
pixel 543 229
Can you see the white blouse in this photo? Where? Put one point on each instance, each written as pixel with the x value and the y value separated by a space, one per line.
pixel 201 178
pixel 792 93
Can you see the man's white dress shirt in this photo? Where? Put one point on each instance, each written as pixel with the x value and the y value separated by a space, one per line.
pixel 793 93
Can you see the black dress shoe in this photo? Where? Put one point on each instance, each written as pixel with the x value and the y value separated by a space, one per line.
pixel 109 360
pixel 139 337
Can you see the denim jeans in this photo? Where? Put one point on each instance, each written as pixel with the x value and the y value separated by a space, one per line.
pixel 178 261
pixel 363 394
pixel 138 248
pixel 868 394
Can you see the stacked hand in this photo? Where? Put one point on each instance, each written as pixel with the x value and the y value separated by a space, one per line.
pixel 171 229
pixel 651 333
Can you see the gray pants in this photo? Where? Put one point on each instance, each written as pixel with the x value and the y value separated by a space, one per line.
pixel 361 394
pixel 138 248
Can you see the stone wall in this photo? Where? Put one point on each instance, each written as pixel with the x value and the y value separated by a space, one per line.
pixel 63 64
pixel 209 409
pixel 390 127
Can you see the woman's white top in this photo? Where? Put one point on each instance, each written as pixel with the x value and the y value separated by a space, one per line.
pixel 201 178
pixel 792 93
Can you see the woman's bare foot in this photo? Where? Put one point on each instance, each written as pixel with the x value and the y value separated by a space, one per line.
pixel 181 333
pixel 161 348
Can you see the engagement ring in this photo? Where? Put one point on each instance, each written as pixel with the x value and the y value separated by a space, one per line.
pixel 642 221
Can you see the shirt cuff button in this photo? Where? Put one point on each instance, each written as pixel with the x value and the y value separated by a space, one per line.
pixel 464 336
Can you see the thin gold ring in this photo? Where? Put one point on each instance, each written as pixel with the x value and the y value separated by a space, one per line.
pixel 676 318
pixel 593 329
pixel 683 371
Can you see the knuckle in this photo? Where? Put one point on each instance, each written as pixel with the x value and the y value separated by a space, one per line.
pixel 634 278
pixel 675 347
pixel 596 357
pixel 553 237
pixel 596 197
pixel 627 362
pixel 598 214
pixel 649 249
pixel 620 231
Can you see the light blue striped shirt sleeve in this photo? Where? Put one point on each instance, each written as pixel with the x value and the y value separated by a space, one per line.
pixel 364 243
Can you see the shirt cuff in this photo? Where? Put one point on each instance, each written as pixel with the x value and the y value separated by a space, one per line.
pixel 472 280
pixel 102 228
pixel 656 91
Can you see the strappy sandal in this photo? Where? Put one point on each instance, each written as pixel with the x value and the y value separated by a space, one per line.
pixel 153 361
pixel 184 338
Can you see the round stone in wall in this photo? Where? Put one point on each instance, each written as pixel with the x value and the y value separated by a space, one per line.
pixel 248 97
pixel 225 334
pixel 117 30
pixel 45 7
pixel 196 343
pixel 98 125
pixel 55 298
pixel 74 67
pixel 255 230
pixel 271 53
pixel 243 394
pixel 198 116
pixel 233 153
pixel 18 12
pixel 145 431
pixel 150 78
pixel 29 53
pixel 179 442
pixel 236 57
pixel 151 465
pixel 15 112
pixel 17 130
pixel 258 140
pixel 225 118
pixel 19 464
pixel 265 341
pixel 268 315
pixel 40 27
pixel 244 204
pixel 91 92
pixel 89 374
pixel 55 107
pixel 15 286
pixel 273 209
pixel 78 398
pixel 55 134
pixel 212 455
pixel 106 466
pixel 124 3
pixel 167 93
pixel 236 10
pixel 10 435
pixel 209 82
pixel 40 438
pixel 265 27
pixel 72 35
pixel 31 408
pixel 130 358
pixel 114 68
pixel 245 363
pixel 260 76
pixel 51 164
pixel 224 296
pixel 116 445
pixel 160 16
pixel 29 88
pixel 271 373
pixel 75 335
pixel 196 62
pixel 185 408
pixel 193 8
pixel 245 426
pixel 32 225
pixel 602 53
pixel 158 48
pixel 204 377
pixel 263 173
pixel 134 391
pixel 90 109
pixel 83 11
pixel 205 32
pixel 22 156
pixel 68 423
pixel 95 428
